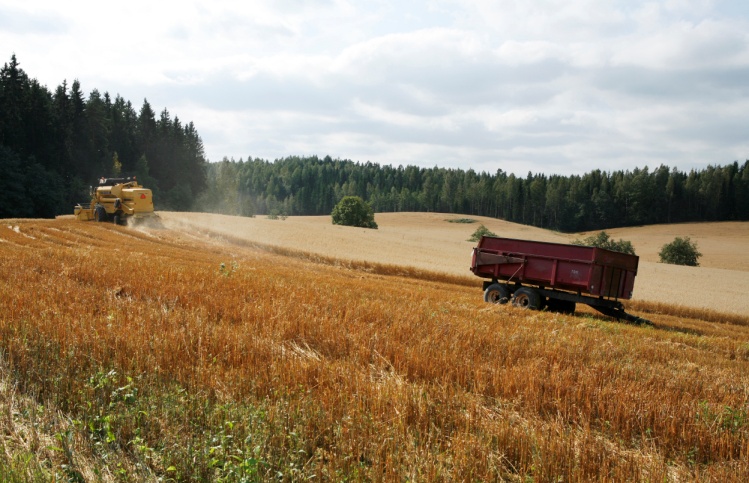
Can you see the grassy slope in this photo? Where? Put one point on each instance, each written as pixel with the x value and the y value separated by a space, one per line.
pixel 175 354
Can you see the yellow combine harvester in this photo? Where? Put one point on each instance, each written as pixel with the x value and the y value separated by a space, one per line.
pixel 117 200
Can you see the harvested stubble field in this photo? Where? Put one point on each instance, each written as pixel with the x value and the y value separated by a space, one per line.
pixel 429 242
pixel 213 354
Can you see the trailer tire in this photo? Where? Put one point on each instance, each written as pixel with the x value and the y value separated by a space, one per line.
pixel 526 298
pixel 100 214
pixel 497 293
pixel 117 220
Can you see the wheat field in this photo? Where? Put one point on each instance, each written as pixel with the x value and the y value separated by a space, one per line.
pixel 215 349
pixel 428 241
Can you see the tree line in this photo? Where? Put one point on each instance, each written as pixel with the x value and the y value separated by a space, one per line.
pixel 54 145
pixel 593 201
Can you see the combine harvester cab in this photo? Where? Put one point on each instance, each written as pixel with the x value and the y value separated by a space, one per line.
pixel 118 200
pixel 555 276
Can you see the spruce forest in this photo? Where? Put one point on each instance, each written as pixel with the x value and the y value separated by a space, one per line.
pixel 596 200
pixel 54 145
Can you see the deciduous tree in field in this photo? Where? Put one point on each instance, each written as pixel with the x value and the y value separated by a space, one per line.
pixel 604 240
pixel 681 251
pixel 353 211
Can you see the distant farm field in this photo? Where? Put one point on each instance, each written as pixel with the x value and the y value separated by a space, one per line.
pixel 430 242
pixel 235 349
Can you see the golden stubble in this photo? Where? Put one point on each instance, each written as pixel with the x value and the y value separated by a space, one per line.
pixel 428 241
pixel 416 377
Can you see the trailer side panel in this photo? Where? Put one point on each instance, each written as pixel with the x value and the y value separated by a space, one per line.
pixel 584 270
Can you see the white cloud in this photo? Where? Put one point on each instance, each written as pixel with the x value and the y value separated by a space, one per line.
pixel 683 45
pixel 547 85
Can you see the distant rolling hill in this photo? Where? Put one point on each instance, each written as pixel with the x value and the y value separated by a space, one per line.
pixel 430 241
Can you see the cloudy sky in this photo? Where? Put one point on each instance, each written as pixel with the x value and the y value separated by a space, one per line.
pixel 548 86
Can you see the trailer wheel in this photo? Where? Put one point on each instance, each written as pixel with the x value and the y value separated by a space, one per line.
pixel 497 293
pixel 100 214
pixel 526 298
pixel 116 219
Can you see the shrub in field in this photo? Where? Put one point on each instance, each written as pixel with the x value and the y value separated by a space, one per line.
pixel 604 240
pixel 353 211
pixel 681 251
pixel 276 215
pixel 481 231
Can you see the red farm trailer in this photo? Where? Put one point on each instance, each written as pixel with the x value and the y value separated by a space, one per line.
pixel 555 276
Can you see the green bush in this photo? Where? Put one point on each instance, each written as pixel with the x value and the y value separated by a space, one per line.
pixel 353 211
pixel 481 231
pixel 681 251
pixel 603 240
